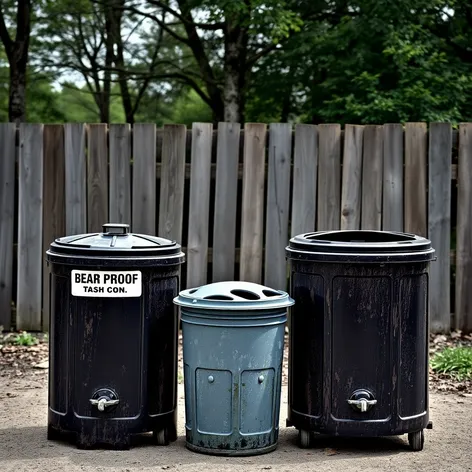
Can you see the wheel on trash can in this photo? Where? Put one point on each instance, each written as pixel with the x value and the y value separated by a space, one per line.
pixel 161 437
pixel 416 440
pixel 304 439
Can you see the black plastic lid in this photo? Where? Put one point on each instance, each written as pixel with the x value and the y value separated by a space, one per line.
pixel 360 246
pixel 115 241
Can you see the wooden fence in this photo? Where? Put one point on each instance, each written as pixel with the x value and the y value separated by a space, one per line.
pixel 233 197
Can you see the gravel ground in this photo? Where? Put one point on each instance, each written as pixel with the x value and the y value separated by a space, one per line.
pixel 23 444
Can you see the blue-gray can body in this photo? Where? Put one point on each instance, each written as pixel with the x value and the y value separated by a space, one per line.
pixel 232 374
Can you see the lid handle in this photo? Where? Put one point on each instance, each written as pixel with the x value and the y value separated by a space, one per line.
pixel 115 229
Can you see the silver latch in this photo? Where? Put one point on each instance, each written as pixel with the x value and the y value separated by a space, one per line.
pixel 363 404
pixel 362 400
pixel 103 402
pixel 104 398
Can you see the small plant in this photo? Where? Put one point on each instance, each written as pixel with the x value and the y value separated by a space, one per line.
pixel 25 339
pixel 454 361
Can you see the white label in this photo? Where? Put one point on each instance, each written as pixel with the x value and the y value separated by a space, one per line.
pixel 92 283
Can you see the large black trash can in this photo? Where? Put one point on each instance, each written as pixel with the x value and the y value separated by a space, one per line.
pixel 113 337
pixel 358 363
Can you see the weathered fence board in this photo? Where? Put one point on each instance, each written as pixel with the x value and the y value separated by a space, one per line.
pixel 171 207
pixel 226 198
pixel 305 168
pixel 252 220
pixel 144 178
pixel 463 318
pixel 197 249
pixel 439 222
pixel 75 165
pixel 352 177
pixel 392 208
pixel 329 177
pixel 372 177
pixel 120 173
pixel 54 209
pixel 30 221
pixel 415 208
pixel 7 218
pixel 335 184
pixel 97 185
pixel 278 195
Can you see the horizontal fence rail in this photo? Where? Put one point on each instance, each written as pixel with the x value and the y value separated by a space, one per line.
pixel 232 197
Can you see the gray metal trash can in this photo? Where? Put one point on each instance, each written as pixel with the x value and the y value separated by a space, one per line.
pixel 233 339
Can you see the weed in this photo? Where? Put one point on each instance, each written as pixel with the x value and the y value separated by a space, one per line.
pixel 25 339
pixel 454 361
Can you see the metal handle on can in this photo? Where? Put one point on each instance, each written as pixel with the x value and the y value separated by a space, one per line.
pixel 363 404
pixel 115 229
pixel 103 402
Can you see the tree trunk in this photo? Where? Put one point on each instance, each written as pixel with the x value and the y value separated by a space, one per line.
pixel 235 70
pixel 17 94
pixel 17 54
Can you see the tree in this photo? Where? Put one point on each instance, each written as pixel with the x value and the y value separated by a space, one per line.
pixel 225 39
pixel 17 53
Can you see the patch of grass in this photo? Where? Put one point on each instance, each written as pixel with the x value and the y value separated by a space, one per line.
pixel 454 361
pixel 25 339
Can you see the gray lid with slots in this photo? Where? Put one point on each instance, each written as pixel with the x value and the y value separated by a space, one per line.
pixel 233 296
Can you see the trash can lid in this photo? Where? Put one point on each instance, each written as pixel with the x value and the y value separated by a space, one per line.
pixel 360 246
pixel 114 241
pixel 233 296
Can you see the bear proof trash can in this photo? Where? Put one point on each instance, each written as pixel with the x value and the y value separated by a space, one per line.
pixel 113 337
pixel 358 362
pixel 233 340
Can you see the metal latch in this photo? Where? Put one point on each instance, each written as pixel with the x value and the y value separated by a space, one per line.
pixel 103 402
pixel 362 400
pixel 104 398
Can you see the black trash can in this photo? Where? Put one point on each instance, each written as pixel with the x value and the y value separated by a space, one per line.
pixel 358 362
pixel 113 337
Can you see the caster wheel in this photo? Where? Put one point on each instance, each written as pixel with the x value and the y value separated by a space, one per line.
pixel 53 434
pixel 161 437
pixel 416 440
pixel 304 439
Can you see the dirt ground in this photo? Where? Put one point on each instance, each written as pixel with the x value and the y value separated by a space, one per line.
pixel 24 447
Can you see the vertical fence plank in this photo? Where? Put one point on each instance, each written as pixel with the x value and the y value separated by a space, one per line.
pixel 305 167
pixel 197 252
pixel 119 138
pixel 278 202
pixel 392 206
pixel 351 177
pixel 372 177
pixel 329 177
pixel 75 166
pixel 97 177
pixel 172 182
pixel 226 197
pixel 252 224
pixel 463 318
pixel 144 178
pixel 439 219
pixel 7 213
pixel 30 257
pixel 54 209
pixel 415 179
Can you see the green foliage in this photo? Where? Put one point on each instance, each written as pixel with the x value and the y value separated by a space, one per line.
pixel 25 339
pixel 189 108
pixel 454 361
